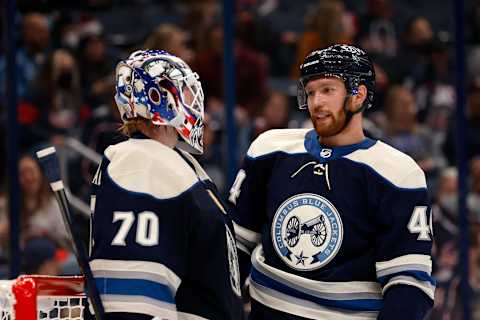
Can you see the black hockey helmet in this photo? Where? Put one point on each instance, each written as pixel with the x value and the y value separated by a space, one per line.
pixel 349 63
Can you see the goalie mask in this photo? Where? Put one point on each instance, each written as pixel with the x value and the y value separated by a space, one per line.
pixel 161 87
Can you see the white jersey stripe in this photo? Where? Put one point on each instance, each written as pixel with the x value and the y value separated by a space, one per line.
pixel 250 236
pixel 187 316
pixel 359 289
pixel 406 267
pixel 154 270
pixel 139 304
pixel 409 259
pixel 303 308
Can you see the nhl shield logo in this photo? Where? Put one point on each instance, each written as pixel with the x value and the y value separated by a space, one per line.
pixel 307 231
pixel 325 153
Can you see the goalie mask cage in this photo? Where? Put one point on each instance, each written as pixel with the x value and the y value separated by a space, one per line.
pixel 42 297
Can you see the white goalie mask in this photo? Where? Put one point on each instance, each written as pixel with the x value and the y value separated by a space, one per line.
pixel 161 87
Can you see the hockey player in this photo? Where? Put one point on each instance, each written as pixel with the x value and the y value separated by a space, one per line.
pixel 163 243
pixel 336 225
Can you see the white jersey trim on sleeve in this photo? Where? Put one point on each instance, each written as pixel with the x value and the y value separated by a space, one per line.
pixel 391 164
pixel 425 286
pixel 278 140
pixel 412 262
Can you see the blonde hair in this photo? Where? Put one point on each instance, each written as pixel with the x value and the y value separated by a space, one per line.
pixel 129 127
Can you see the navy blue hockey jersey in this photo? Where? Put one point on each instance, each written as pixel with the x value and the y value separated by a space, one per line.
pixel 330 230
pixel 163 244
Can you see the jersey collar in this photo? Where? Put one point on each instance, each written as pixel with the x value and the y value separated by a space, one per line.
pixel 139 135
pixel 325 154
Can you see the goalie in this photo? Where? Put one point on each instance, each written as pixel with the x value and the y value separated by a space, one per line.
pixel 162 241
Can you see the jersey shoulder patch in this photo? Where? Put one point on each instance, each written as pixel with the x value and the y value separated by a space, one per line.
pixel 147 166
pixel 278 140
pixel 393 165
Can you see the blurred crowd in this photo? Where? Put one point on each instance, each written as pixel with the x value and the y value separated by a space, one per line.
pixel 65 66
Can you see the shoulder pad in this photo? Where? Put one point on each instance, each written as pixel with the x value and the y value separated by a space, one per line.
pixel 393 165
pixel 147 166
pixel 278 140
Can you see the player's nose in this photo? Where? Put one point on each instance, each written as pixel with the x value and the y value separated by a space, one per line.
pixel 318 102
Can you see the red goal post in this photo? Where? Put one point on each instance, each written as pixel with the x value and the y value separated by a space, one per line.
pixel 32 297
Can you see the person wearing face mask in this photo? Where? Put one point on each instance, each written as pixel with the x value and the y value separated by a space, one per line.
pixel 446 208
pixel 447 195
pixel 331 224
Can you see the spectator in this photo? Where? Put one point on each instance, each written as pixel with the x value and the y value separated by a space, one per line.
pixel 436 94
pixel 472 138
pixel 403 131
pixel 377 32
pixel 473 199
pixel 328 23
pixel 412 67
pixel 446 232
pixel 275 114
pixel 97 68
pixel 57 97
pixel 199 17
pixel 30 55
pixel 258 34
pixel 40 257
pixel 172 39
pixel 251 71
pixel 40 214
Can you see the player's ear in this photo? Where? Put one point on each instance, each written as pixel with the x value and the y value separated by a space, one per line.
pixel 359 98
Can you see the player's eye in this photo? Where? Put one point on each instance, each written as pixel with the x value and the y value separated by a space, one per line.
pixel 309 93
pixel 328 89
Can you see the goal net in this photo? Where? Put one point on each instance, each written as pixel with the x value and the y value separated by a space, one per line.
pixel 42 297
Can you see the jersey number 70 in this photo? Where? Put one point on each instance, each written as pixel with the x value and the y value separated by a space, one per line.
pixel 146 232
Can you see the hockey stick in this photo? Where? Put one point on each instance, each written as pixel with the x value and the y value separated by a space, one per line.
pixel 49 161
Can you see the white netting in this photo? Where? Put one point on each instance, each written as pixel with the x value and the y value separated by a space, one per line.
pixel 7 300
pixel 50 305
pixel 60 308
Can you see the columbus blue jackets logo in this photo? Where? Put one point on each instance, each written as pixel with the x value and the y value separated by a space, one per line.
pixel 307 231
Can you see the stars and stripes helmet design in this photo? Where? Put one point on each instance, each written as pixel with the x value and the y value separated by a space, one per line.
pixel 156 85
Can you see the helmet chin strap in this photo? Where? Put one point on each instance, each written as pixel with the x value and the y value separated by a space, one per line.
pixel 348 114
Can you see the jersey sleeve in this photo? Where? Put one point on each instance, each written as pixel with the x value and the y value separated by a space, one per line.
pixel 248 201
pixel 211 263
pixel 404 302
pixel 404 242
